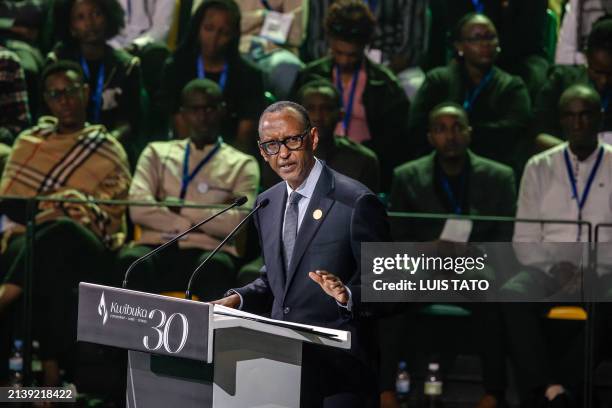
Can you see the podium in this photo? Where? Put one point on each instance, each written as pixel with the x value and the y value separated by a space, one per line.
pixel 183 353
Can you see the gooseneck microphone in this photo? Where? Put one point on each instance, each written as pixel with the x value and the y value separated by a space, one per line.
pixel 195 273
pixel 237 202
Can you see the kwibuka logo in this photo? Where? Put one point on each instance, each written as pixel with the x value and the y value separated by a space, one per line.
pixel 102 309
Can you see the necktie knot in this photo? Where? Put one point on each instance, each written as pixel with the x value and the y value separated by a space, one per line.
pixel 294 197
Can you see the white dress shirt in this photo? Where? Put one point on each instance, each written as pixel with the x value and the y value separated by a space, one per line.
pixel 306 189
pixel 546 193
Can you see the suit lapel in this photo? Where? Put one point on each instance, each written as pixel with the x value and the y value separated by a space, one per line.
pixel 277 212
pixel 319 201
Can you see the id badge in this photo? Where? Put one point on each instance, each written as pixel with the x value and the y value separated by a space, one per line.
pixel 276 27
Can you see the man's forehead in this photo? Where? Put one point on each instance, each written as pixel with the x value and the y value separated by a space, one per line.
pixel 578 104
pixel 449 115
pixel 61 78
pixel 280 124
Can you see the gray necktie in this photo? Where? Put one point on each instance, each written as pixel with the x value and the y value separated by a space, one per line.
pixel 291 226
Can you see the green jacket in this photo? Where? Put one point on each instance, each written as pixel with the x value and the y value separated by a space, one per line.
pixel 416 188
pixel 386 107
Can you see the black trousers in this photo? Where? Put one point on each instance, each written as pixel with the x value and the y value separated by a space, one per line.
pixel 170 270
pixel 334 378
pixel 65 253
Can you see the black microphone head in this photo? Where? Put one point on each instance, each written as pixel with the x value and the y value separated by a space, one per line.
pixel 264 202
pixel 240 200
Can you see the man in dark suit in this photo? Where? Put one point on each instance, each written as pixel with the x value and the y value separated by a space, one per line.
pixel 310 235
pixel 451 180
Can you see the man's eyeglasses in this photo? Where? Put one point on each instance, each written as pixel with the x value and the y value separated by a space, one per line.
pixel 291 142
pixel 481 39
pixel 57 94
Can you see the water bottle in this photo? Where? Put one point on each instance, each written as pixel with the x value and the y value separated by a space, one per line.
pixel 37 371
pixel 402 384
pixel 16 364
pixel 433 387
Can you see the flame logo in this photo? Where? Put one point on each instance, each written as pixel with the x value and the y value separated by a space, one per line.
pixel 102 309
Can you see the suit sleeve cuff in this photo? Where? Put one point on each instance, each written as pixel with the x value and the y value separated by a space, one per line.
pixel 233 292
pixel 349 304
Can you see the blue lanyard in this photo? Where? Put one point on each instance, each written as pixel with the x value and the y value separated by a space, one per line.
pixel 478 5
pixel 187 178
pixel 202 72
pixel 471 96
pixel 449 192
pixel 96 96
pixel 266 4
pixel 348 108
pixel 582 200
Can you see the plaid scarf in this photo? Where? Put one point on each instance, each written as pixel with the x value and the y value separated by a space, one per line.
pixel 88 164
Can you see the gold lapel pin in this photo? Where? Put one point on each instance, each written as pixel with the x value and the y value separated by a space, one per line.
pixel 317 214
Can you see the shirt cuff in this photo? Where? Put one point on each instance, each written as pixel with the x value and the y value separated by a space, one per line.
pixel 233 292
pixel 349 304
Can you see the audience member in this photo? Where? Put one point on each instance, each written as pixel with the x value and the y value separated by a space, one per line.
pixel 113 76
pixel 63 158
pixel 578 18
pixel 399 40
pixel 147 24
pixel 199 170
pixel 497 103
pixel 596 72
pixel 272 32
pixel 14 109
pixel 374 105
pixel 570 182
pixel 522 35
pixel 22 30
pixel 452 180
pixel 210 51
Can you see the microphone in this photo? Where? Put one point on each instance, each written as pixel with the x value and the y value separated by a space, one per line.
pixel 237 202
pixel 195 273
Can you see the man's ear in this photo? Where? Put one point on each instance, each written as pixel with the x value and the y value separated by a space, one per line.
pixel 263 154
pixel 314 134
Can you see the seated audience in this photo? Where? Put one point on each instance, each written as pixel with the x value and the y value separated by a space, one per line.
pixel 14 109
pixel 452 180
pixel 399 40
pixel 374 105
pixel 578 18
pixel 113 75
pixel 596 72
pixel 23 31
pixel 522 33
pixel 204 170
pixel 63 158
pixel 210 50
pixel 147 24
pixel 274 49
pixel 570 182
pixel 497 103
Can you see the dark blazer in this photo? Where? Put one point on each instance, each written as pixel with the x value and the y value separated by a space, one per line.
pixel 490 190
pixel 351 214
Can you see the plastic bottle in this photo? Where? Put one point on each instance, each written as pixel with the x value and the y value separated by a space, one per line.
pixel 402 384
pixel 16 364
pixel 433 387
